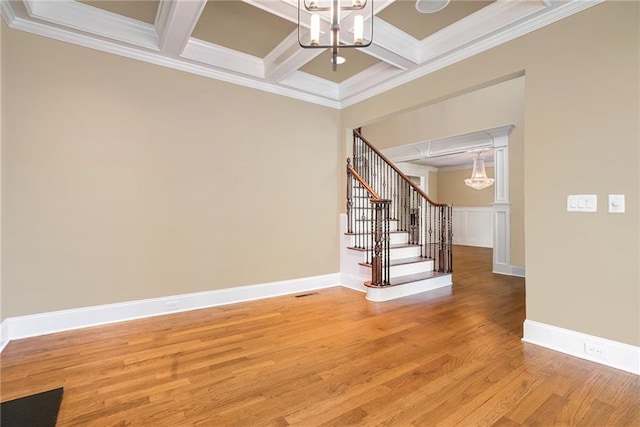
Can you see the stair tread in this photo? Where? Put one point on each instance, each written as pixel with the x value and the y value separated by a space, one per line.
pixel 364 234
pixel 402 280
pixel 403 261
pixel 371 219
pixel 391 246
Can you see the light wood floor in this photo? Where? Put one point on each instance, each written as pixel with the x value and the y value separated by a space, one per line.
pixel 449 357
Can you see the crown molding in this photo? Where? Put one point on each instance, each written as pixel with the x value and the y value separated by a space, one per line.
pixel 77 23
pixel 310 83
pixel 214 55
pixel 100 23
pixel 546 17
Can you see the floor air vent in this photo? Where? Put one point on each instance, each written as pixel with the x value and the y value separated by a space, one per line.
pixel 306 295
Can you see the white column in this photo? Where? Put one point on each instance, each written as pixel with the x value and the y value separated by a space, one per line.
pixel 501 204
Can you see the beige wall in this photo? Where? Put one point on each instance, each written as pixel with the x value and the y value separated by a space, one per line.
pixel 433 185
pixel 581 112
pixel 125 180
pixel 492 105
pixel 2 29
pixel 452 189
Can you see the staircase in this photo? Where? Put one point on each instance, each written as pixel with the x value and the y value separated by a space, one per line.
pixel 397 241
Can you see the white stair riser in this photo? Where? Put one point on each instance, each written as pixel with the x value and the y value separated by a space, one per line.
pixel 413 268
pixel 406 252
pixel 363 214
pixel 360 202
pixel 394 239
pixel 398 253
pixel 402 270
pixel 393 292
pixel 366 226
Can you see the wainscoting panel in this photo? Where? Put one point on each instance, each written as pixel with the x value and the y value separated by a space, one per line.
pixel 473 226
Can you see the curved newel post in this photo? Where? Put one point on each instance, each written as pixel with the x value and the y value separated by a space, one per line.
pixel 445 247
pixel 349 197
pixel 380 264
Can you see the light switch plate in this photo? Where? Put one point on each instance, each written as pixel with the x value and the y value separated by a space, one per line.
pixel 616 203
pixel 582 203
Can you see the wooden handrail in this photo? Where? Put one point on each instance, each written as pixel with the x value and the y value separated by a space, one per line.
pixel 375 197
pixel 405 177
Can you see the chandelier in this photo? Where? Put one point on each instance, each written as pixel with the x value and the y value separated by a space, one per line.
pixel 325 20
pixel 479 179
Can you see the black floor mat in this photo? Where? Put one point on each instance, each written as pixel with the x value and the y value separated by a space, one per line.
pixel 37 410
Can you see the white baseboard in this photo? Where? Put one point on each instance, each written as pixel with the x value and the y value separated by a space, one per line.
pixel 517 270
pixel 65 320
pixel 4 334
pixel 354 282
pixel 408 289
pixel 509 269
pixel 611 353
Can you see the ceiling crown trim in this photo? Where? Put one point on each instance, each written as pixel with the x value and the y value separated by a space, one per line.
pixel 169 43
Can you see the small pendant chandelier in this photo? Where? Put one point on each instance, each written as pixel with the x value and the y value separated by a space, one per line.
pixel 479 179
pixel 325 17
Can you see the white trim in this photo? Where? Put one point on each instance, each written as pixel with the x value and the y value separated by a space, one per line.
pixel 399 291
pixel 465 166
pixel 97 22
pixel 501 237
pixel 83 25
pixel 461 53
pixel 181 64
pixel 220 56
pixel 473 226
pixel 353 281
pixel 501 173
pixel 509 270
pixel 4 334
pixel 175 22
pixel 615 354
pixel 517 270
pixel 67 320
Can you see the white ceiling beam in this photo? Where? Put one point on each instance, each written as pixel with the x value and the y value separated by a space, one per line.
pixel 287 58
pixel 471 28
pixel 79 16
pixel 284 9
pixel 175 22
pixel 312 84
pixel 371 76
pixel 223 58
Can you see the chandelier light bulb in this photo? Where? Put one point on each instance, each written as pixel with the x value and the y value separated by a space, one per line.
pixel 358 29
pixel 315 30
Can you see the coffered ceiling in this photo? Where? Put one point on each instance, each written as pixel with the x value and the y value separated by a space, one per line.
pixel 255 42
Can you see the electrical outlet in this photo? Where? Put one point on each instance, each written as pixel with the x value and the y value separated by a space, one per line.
pixel 595 351
pixel 171 305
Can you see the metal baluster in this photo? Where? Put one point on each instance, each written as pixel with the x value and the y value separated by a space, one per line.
pixel 450 232
pixel 387 246
pixel 349 197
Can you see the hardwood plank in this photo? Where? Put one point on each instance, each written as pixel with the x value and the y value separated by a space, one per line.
pixel 451 356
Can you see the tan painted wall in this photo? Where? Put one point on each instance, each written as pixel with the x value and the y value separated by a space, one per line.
pixel 125 180
pixel 487 107
pixel 581 112
pixel 453 190
pixel 433 185
pixel 2 29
